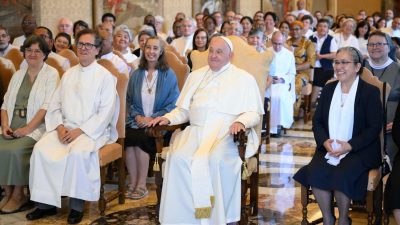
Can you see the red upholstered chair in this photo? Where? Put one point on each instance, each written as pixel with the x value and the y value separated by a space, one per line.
pixel 114 152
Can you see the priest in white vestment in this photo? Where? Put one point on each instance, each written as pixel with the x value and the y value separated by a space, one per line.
pixel 203 168
pixel 283 71
pixel 185 43
pixel 81 118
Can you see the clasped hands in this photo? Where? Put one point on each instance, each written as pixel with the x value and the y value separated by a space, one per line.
pixel 8 133
pixel 67 136
pixel 344 147
pixel 235 128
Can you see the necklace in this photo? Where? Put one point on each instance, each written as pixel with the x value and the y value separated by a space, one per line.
pixel 343 99
pixel 150 87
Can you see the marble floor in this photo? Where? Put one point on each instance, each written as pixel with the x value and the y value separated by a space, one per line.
pixel 279 194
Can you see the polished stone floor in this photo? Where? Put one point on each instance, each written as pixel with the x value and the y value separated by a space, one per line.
pixel 279 194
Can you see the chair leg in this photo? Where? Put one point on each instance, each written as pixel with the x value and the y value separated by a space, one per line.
pixel 304 203
pixel 102 200
pixel 254 191
pixel 121 180
pixel 243 209
pixel 158 182
pixel 378 197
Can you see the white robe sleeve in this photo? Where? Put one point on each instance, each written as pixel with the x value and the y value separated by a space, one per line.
pixel 249 119
pixel 94 127
pixel 177 116
pixel 54 116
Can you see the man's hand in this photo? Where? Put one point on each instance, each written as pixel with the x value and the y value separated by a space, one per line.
pixel 7 132
pixel 61 132
pixel 22 132
pixel 71 135
pixel 158 121
pixel 236 127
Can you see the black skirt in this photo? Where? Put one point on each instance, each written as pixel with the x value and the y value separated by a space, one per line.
pixel 392 189
pixel 321 76
pixel 349 177
pixel 138 138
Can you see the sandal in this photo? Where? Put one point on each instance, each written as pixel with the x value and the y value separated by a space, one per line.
pixel 139 193
pixel 129 192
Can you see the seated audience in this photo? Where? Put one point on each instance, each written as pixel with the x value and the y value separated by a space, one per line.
pixel 184 43
pixel 235 28
pixel 284 28
pixel 5 45
pixel 22 120
pixel 200 43
pixel 345 37
pixel 304 54
pixel 307 23
pixel 152 92
pixel 346 127
pixel 159 22
pixel 362 33
pixel 394 29
pixel 78 26
pixel 396 43
pixel 270 19
pixel 247 24
pixel 122 38
pixel 81 118
pixel 256 39
pixel 177 31
pixel 61 42
pixel 106 52
pixel 225 28
pixel 326 48
pixel 210 25
pixel 283 71
pixel 28 25
pixel 381 24
pixel 143 36
pixel 65 25
pixel 108 18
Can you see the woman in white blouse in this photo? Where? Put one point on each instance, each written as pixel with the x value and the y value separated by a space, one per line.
pixel 345 37
pixel 22 121
pixel 362 33
pixel 122 38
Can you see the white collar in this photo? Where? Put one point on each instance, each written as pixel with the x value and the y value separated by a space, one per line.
pixel 379 67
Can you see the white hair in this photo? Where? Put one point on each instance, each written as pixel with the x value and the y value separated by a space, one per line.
pixel 125 29
pixel 159 18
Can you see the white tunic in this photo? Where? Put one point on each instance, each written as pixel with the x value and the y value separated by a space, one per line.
pixel 211 105
pixel 351 41
pixel 85 99
pixel 282 94
pixel 119 63
pixel 183 44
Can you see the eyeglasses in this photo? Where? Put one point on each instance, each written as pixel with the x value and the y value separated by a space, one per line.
pixel 3 35
pixel 86 46
pixel 29 51
pixel 377 44
pixel 338 62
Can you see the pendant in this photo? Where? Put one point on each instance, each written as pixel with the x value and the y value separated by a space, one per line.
pixel 22 113
pixel 149 90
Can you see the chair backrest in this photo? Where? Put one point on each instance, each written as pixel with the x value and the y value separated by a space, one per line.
pixel 55 64
pixel 173 50
pixel 181 70
pixel 7 69
pixel 74 49
pixel 70 55
pixel 15 56
pixel 122 85
pixel 245 57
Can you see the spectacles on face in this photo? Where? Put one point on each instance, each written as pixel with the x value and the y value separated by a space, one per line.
pixel 377 44
pixel 341 62
pixel 296 29
pixel 3 36
pixel 30 51
pixel 87 46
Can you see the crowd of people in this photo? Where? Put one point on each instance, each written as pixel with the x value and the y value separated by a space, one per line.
pixel 52 128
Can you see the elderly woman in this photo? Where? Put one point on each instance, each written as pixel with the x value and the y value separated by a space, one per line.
pixel 346 128
pixel 345 37
pixel 122 38
pixel 152 92
pixel 200 43
pixel 22 120
pixel 304 53
pixel 61 42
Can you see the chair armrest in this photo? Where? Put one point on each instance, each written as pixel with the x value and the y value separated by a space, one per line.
pixel 158 132
pixel 241 139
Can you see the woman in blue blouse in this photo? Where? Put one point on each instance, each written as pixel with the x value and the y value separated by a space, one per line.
pixel 152 92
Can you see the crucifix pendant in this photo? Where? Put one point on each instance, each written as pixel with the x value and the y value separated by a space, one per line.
pixel 149 90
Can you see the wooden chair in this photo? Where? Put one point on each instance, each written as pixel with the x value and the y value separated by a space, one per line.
pixel 373 202
pixel 114 152
pixel 70 55
pixel 257 64
pixel 54 63
pixel 15 56
pixel 173 50
pixel 7 69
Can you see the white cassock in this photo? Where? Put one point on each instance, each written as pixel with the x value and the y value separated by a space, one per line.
pixel 86 99
pixel 282 94
pixel 183 44
pixel 203 161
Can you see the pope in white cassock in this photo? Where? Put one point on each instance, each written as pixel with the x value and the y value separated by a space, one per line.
pixel 283 71
pixel 203 167
pixel 81 118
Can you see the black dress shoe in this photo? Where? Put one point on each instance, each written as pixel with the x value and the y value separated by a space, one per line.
pixel 75 217
pixel 40 213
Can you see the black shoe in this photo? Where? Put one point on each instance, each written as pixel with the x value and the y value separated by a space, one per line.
pixel 275 135
pixel 75 217
pixel 41 213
